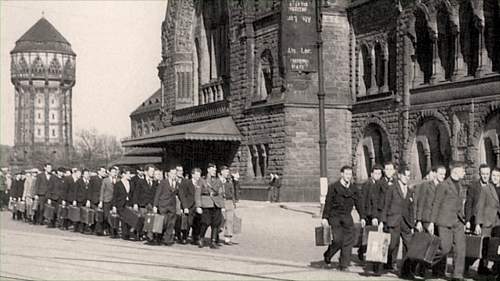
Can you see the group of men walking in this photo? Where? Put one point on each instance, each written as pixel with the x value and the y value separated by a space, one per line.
pixel 188 204
pixel 440 206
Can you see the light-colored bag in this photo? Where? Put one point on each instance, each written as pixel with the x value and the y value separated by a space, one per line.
pixel 378 246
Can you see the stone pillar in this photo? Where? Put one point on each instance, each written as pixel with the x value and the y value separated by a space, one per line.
pixel 459 70
pixel 373 84
pixel 485 64
pixel 437 67
pixel 385 86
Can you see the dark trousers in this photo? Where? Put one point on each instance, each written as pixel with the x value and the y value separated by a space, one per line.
pixel 343 239
pixel 404 231
pixel 41 207
pixel 196 227
pixel 453 238
pixel 168 227
pixel 52 221
pixel 211 217
pixel 182 234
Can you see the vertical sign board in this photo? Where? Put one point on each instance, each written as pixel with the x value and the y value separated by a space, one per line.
pixel 299 35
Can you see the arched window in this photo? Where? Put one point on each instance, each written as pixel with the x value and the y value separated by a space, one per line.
pixel 367 66
pixel 424 51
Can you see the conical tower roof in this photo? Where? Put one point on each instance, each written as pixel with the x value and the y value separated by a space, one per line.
pixel 43 36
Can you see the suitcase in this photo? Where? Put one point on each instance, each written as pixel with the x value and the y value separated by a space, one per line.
pixel 148 222
pixel 493 253
pixel 29 208
pixel 49 212
pixel 99 216
pixel 474 246
pixel 236 224
pixel 423 247
pixel 74 214
pixel 21 206
pixel 35 204
pixel 323 235
pixel 132 218
pixel 12 206
pixel 158 223
pixel 87 215
pixel 377 248
pixel 365 231
pixel 62 212
pixel 114 220
pixel 184 222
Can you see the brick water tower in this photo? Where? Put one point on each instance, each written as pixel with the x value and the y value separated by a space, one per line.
pixel 43 75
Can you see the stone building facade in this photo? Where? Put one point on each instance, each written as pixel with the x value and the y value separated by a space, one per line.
pixel 43 74
pixel 233 96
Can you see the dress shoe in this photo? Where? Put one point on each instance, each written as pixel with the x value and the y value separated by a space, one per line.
pixel 170 243
pixel 327 261
pixel 214 246
pixel 201 244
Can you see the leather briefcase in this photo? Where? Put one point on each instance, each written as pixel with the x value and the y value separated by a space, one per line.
pixel 365 231
pixel 493 253
pixel 74 213
pixel 21 206
pixel 131 217
pixel 87 215
pixel 474 246
pixel 49 212
pixel 99 216
pixel 114 220
pixel 158 223
pixel 377 248
pixel 62 212
pixel 423 247
pixel 323 235
pixel 148 222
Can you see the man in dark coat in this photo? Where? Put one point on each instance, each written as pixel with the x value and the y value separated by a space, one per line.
pixel 144 195
pixel 40 190
pixel 72 186
pixel 448 214
pixel 122 198
pixel 471 207
pixel 55 194
pixel 398 216
pixel 94 194
pixel 186 196
pixel 339 202
pixel 165 203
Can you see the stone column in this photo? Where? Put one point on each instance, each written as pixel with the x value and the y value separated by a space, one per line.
pixel 385 86
pixel 373 84
pixel 459 70
pixel 437 67
pixel 485 65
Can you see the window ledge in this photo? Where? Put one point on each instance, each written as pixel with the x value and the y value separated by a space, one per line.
pixel 375 98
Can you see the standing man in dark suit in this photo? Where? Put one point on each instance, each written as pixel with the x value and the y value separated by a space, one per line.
pixel 339 201
pixel 82 196
pixel 448 214
pixel 186 196
pixel 180 211
pixel 55 193
pixel 94 194
pixel 368 193
pixel 165 202
pixel 488 212
pixel 424 209
pixel 398 216
pixel 471 209
pixel 40 190
pixel 144 195
pixel 122 198
pixel 106 199
pixel 72 187
pixel 378 193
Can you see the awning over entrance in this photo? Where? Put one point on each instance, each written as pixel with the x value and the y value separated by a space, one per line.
pixel 136 160
pixel 220 129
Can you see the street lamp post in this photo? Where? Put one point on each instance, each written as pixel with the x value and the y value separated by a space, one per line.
pixel 321 99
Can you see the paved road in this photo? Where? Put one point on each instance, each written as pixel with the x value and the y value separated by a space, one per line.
pixel 276 244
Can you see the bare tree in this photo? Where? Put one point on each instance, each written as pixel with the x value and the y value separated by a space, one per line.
pixel 94 149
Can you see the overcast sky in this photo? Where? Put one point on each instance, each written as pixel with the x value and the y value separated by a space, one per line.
pixel 118 47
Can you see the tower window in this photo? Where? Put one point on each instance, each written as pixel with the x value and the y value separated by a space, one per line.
pixel 39 101
pixel 38 132
pixel 39 116
pixel 52 101
pixel 53 116
pixel 53 132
